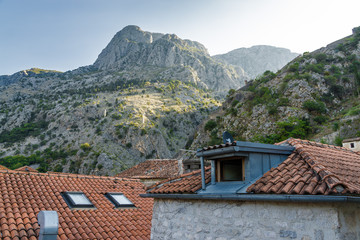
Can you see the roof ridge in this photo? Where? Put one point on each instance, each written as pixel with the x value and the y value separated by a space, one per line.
pixel 185 175
pixel 71 175
pixel 331 179
pixel 293 141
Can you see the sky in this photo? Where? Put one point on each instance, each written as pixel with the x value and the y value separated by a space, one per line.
pixel 67 34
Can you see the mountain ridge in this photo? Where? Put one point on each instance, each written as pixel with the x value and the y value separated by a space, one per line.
pixel 142 98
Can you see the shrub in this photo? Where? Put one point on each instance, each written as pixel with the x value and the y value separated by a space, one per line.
pixel 353 111
pixel 210 125
pixel 116 116
pixel 143 132
pixel 234 103
pixel 231 92
pixel 313 106
pixel 58 168
pixel 85 146
pixel 318 68
pixel 335 126
pixel 338 141
pixel 330 80
pixel 272 108
pixel 283 101
pixel 293 127
pixel 294 67
pixel 214 139
pixel 320 57
pixel 320 119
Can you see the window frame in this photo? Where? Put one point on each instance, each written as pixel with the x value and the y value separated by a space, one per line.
pixel 220 170
pixel 109 195
pixel 70 202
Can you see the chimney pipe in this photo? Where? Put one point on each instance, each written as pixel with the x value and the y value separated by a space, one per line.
pixel 49 225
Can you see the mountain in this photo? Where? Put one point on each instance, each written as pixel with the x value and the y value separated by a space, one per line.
pixel 168 55
pixel 257 59
pixel 143 97
pixel 315 96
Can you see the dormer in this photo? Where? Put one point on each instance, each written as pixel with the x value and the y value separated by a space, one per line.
pixel 236 165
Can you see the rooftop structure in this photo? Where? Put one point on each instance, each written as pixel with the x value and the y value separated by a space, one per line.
pixel 294 167
pixel 352 144
pixel 297 189
pixel 88 207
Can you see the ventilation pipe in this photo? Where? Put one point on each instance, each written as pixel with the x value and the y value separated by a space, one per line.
pixel 202 173
pixel 49 225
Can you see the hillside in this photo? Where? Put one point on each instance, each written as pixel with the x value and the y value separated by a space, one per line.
pixel 315 96
pixel 144 97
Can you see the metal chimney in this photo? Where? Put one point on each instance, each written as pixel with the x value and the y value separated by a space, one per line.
pixel 49 225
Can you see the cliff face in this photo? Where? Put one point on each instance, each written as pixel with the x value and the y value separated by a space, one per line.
pixel 133 47
pixel 315 96
pixel 257 59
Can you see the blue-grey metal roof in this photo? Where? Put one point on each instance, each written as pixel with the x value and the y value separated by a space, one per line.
pixel 244 147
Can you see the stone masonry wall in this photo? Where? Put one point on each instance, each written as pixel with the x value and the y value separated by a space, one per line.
pixel 229 220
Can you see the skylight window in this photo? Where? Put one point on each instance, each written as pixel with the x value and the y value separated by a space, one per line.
pixel 77 200
pixel 119 200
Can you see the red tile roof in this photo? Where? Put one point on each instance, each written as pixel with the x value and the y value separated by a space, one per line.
pixel 154 168
pixel 313 168
pixel 3 168
pixel 26 169
pixel 23 195
pixel 186 183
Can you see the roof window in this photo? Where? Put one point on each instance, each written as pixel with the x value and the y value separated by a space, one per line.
pixel 119 200
pixel 231 170
pixel 77 200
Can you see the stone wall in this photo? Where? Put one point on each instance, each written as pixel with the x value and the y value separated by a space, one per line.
pixel 226 220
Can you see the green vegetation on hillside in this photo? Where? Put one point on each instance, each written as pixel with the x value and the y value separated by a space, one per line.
pixel 20 133
pixel 314 96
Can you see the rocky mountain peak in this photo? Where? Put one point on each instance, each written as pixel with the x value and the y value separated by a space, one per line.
pixel 167 55
pixel 133 46
pixel 133 33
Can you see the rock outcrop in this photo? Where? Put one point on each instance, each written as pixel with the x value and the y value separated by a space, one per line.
pixel 168 53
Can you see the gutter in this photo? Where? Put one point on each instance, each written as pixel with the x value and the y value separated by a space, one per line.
pixel 256 197
pixel 219 151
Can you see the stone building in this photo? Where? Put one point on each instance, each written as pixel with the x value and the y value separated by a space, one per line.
pixel 294 190
pixel 352 144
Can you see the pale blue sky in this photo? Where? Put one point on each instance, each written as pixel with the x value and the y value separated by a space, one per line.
pixel 66 34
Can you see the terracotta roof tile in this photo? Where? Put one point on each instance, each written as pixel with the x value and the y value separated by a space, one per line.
pixel 26 169
pixel 154 168
pixel 186 183
pixel 313 168
pixel 317 169
pixel 3 168
pixel 24 194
